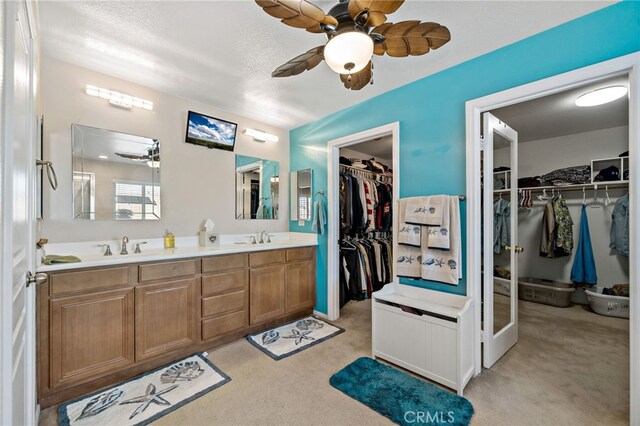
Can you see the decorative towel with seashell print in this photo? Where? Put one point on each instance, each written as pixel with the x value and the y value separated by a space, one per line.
pixel 147 397
pixel 291 338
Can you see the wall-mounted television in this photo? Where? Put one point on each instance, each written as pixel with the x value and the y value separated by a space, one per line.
pixel 210 132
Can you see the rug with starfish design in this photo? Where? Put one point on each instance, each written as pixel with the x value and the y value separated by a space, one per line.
pixel 291 338
pixel 147 397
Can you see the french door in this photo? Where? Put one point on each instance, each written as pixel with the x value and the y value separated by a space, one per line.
pixel 500 249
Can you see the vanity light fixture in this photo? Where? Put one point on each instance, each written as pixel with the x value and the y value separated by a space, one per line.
pixel 601 96
pixel 260 136
pixel 120 100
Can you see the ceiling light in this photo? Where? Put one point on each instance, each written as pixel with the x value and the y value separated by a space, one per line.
pixel 349 52
pixel 120 100
pixel 260 135
pixel 154 164
pixel 601 96
pixel 103 157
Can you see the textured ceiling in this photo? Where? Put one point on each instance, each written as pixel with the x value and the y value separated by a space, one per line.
pixel 557 115
pixel 222 52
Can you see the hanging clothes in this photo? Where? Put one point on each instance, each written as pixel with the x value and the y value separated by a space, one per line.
pixel 501 225
pixel 365 204
pixel 556 238
pixel 620 226
pixel 584 265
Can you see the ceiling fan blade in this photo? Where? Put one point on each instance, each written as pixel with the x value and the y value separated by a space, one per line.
pixel 378 9
pixel 359 79
pixel 300 63
pixel 297 13
pixel 410 38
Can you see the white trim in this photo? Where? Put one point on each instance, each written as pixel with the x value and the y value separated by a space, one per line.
pixel 320 314
pixel 628 64
pixel 333 204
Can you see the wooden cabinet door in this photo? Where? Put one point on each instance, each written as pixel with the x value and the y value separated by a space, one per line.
pixel 300 286
pixel 165 317
pixel 266 298
pixel 91 335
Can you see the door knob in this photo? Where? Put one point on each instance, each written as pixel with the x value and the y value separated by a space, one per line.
pixel 39 278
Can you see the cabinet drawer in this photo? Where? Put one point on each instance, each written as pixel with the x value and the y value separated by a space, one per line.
pixel 224 263
pixel 304 253
pixel 159 271
pixel 224 283
pixel 266 257
pixel 95 279
pixel 224 303
pixel 224 324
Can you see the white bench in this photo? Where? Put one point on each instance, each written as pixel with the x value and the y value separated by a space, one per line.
pixel 434 340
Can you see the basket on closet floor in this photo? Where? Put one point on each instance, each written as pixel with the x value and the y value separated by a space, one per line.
pixel 604 304
pixel 548 292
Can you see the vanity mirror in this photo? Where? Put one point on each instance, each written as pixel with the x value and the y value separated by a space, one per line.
pixel 301 195
pixel 257 188
pixel 116 176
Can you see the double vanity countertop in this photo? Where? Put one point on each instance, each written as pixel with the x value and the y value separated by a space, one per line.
pixel 92 255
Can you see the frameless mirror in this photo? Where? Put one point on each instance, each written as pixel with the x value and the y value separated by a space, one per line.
pixel 301 194
pixel 257 188
pixel 116 176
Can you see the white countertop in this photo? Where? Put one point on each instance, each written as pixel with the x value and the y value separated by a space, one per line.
pixel 91 254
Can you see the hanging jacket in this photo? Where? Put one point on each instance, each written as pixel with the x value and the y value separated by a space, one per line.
pixel 584 265
pixel 547 237
pixel 501 225
pixel 564 227
pixel 620 226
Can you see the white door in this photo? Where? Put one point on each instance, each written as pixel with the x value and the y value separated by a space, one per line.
pixel 17 320
pixel 500 193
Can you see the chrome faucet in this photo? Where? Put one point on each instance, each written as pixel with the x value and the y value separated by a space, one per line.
pixel 263 239
pixel 107 251
pixel 125 240
pixel 137 249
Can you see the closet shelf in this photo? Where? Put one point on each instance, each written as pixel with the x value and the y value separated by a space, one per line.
pixel 600 185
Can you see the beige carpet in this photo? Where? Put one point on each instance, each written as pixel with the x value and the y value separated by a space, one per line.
pixel 569 368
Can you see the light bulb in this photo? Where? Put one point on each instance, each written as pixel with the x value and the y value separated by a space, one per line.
pixel 349 52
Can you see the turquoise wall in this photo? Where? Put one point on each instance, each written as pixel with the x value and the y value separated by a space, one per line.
pixel 431 111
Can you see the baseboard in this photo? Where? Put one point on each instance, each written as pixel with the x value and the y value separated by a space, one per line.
pixel 320 314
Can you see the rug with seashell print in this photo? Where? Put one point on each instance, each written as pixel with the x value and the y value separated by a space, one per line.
pixel 147 397
pixel 296 336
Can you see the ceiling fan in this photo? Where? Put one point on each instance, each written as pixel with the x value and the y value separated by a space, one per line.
pixel 356 29
pixel 152 154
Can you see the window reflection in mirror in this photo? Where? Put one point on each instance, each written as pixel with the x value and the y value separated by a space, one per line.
pixel 257 188
pixel 301 194
pixel 116 176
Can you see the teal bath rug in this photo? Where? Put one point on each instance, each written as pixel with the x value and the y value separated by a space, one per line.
pixel 291 338
pixel 404 399
pixel 147 397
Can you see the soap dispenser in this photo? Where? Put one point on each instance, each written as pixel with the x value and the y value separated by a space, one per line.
pixel 169 240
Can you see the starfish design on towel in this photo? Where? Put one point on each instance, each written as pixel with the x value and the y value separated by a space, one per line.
pixel 150 396
pixel 299 336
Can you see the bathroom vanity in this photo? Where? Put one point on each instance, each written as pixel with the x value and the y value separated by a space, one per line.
pixel 100 324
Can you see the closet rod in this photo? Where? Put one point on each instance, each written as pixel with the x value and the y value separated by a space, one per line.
pixel 578 187
pixel 364 171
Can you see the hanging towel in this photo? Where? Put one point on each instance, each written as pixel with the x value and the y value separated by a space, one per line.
pixel 438 236
pixel 408 261
pixel 53 259
pixel 407 234
pixel 262 212
pixel 319 217
pixel 439 265
pixel 584 266
pixel 425 210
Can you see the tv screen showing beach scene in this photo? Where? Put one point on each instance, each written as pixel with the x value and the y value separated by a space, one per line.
pixel 210 132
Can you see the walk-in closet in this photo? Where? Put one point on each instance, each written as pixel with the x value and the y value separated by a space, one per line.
pixel 562 169
pixel 366 204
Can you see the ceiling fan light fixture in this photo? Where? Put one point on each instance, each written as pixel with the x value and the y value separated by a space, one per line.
pixel 348 52
pixel 601 96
